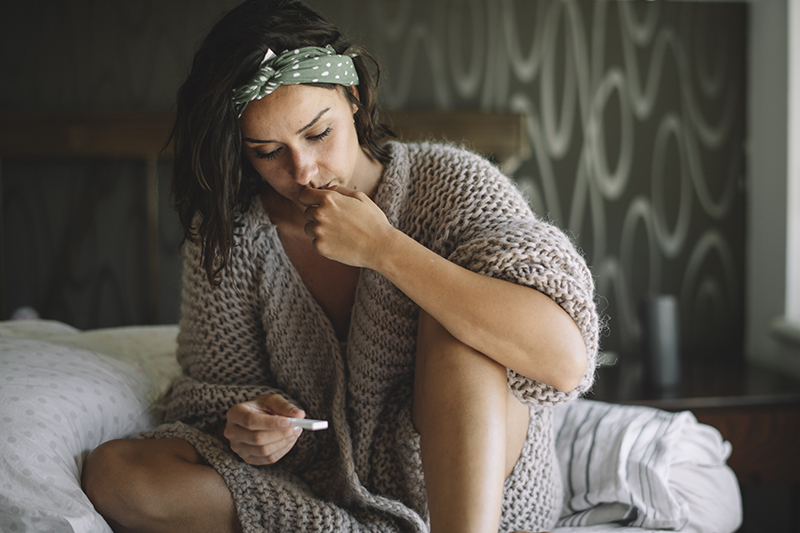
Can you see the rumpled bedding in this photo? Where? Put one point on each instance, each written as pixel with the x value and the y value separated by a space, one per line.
pixel 63 392
pixel 644 468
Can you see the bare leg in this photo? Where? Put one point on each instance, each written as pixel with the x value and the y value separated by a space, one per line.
pixel 157 485
pixel 472 430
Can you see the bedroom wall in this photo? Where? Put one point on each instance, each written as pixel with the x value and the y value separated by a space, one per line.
pixel 636 115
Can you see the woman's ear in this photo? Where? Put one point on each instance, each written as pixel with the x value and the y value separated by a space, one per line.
pixel 353 90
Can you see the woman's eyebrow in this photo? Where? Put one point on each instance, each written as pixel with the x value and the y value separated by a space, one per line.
pixel 301 130
pixel 310 124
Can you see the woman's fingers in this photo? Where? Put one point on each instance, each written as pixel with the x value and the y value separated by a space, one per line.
pixel 259 430
pixel 345 224
pixel 268 452
pixel 310 212
pixel 253 417
pixel 278 405
pixel 277 430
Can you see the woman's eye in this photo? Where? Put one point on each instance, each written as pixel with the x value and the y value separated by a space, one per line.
pixel 269 155
pixel 321 136
pixel 273 154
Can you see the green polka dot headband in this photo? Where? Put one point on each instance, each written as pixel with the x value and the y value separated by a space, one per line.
pixel 310 64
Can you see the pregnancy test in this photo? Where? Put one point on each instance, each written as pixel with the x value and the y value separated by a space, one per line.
pixel 309 423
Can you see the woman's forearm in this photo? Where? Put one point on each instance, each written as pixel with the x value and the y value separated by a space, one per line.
pixel 517 326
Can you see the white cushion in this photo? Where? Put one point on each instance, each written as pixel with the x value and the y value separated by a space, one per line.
pixel 61 395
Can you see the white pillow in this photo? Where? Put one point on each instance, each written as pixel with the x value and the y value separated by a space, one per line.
pixel 151 349
pixel 636 465
pixel 35 329
pixel 58 402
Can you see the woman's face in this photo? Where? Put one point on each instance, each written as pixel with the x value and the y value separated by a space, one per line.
pixel 302 136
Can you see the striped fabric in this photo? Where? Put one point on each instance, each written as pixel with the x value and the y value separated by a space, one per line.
pixel 615 463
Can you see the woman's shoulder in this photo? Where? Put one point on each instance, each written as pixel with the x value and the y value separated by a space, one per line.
pixel 446 183
pixel 449 168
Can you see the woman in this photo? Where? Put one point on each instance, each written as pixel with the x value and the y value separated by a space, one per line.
pixel 404 293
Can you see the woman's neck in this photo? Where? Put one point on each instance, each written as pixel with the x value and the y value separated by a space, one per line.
pixel 369 173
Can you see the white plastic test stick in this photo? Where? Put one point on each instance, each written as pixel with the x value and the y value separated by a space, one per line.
pixel 309 423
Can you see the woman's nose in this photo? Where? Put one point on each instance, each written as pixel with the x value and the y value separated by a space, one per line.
pixel 305 167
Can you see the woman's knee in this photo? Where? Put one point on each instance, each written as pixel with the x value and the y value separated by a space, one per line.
pixel 111 471
pixel 120 477
pixel 452 379
pixel 106 478
pixel 105 465
pixel 438 351
pixel 449 375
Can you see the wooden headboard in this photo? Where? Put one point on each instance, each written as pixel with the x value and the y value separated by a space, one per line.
pixel 143 134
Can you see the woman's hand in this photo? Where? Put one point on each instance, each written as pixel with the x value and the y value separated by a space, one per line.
pixel 347 226
pixel 259 431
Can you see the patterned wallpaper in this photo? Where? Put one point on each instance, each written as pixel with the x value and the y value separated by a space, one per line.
pixel 635 114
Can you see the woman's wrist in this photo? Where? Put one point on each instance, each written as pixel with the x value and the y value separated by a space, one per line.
pixel 393 245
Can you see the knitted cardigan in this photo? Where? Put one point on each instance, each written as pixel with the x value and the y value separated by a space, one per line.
pixel 261 331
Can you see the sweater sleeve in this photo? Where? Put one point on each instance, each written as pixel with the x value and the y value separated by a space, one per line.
pixel 486 226
pixel 221 340
pixel 539 256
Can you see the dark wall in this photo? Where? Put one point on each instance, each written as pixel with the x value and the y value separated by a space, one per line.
pixel 635 114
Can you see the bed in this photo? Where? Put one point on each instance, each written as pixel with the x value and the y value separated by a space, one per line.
pixel 626 469
pixel 63 391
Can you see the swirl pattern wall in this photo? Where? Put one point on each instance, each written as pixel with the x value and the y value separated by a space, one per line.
pixel 635 113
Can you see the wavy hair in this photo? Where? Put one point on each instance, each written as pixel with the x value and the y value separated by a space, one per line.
pixel 212 179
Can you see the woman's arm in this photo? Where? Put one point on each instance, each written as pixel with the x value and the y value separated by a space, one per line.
pixel 517 326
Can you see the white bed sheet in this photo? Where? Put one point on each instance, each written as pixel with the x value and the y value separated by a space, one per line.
pixel 64 392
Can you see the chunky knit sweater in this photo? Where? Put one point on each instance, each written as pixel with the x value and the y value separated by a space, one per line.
pixel 261 331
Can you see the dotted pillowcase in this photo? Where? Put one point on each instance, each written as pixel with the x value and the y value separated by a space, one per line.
pixel 57 403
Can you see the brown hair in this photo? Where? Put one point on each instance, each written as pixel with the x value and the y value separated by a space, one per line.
pixel 212 179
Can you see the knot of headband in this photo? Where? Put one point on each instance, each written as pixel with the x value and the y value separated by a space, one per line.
pixel 310 64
